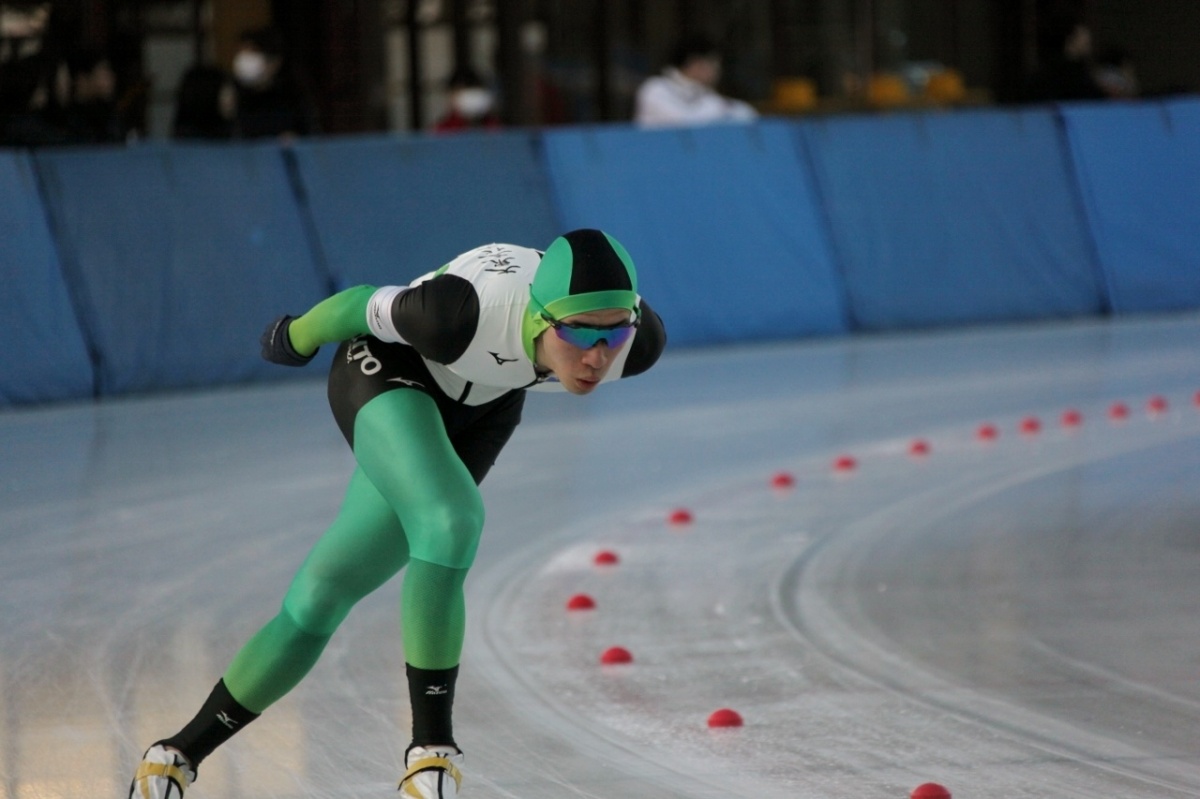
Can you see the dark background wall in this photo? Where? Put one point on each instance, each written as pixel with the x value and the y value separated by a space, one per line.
pixel 1161 36
pixel 381 64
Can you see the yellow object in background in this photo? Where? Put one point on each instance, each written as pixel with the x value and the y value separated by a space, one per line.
pixel 791 95
pixel 946 87
pixel 885 90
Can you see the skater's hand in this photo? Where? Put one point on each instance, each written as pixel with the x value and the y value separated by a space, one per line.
pixel 277 346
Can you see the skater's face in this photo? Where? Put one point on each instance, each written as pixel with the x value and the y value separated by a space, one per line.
pixel 580 369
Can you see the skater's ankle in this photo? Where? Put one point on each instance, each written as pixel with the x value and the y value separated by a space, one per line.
pixel 423 745
pixel 175 750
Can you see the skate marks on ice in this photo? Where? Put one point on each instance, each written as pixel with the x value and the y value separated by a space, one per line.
pixel 945 617
pixel 1012 618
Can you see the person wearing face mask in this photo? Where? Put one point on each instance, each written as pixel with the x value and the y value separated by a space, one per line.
pixel 270 99
pixel 472 105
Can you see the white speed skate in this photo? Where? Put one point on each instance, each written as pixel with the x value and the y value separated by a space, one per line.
pixel 162 774
pixel 433 773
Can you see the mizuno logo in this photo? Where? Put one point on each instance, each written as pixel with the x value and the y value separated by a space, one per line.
pixel 405 382
pixel 436 690
pixel 226 719
pixel 499 360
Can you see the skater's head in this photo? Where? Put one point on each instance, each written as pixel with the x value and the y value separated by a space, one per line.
pixel 583 306
pixel 584 270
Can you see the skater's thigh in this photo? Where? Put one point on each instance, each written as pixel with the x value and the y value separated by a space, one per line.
pixel 401 444
pixel 363 548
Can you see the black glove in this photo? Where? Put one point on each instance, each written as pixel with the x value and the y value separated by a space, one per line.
pixel 277 347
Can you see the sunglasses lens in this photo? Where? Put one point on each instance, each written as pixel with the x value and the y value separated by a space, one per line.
pixel 619 335
pixel 587 337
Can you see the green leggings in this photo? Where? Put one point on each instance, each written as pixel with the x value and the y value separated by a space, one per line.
pixel 411 501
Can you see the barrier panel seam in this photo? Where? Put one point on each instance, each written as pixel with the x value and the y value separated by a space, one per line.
pixel 1080 189
pixel 68 266
pixel 808 164
pixel 312 235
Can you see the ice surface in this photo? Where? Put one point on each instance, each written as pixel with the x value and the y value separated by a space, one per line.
pixel 1013 619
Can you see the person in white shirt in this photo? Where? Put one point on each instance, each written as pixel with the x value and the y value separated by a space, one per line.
pixel 684 93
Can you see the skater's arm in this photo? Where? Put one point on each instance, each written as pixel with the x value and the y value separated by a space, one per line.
pixel 337 318
pixel 438 317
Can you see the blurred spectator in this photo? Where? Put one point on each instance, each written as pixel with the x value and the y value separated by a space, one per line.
pixel 1066 70
pixel 270 98
pixel 28 116
pixel 29 102
pixel 472 105
pixel 205 105
pixel 1117 75
pixel 133 85
pixel 22 29
pixel 685 93
pixel 91 114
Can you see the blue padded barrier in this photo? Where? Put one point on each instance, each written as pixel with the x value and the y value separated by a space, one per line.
pixel 1139 169
pixel 44 356
pixel 389 209
pixel 955 218
pixel 179 256
pixel 721 221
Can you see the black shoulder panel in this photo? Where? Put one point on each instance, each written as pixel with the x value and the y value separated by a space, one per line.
pixel 439 317
pixel 648 344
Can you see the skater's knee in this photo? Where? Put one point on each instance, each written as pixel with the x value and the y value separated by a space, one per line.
pixel 318 605
pixel 448 533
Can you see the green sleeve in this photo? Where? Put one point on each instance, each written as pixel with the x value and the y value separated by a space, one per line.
pixel 337 318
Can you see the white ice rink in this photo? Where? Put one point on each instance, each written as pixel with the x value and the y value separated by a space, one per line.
pixel 1013 619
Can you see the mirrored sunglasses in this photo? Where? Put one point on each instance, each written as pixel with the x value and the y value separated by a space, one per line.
pixel 587 336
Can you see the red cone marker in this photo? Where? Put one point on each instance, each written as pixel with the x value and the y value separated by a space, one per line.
pixel 616 655
pixel 606 557
pixel 725 717
pixel 680 516
pixel 845 463
pixel 783 480
pixel 581 602
pixel 987 432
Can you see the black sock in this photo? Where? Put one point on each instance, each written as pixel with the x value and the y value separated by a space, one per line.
pixel 431 692
pixel 215 724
